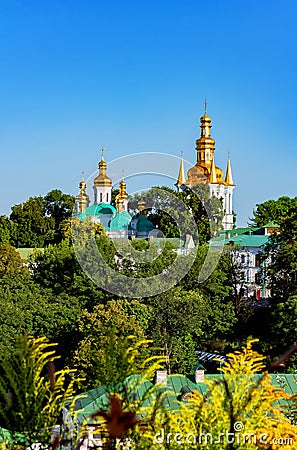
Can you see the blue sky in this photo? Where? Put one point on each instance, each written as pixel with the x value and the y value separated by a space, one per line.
pixel 132 76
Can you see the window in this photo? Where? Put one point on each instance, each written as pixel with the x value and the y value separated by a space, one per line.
pixel 258 278
pixel 100 197
pixel 242 259
pixel 257 260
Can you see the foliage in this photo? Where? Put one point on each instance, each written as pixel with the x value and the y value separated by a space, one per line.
pixel 282 251
pixel 176 323
pixel 36 222
pixel 282 328
pixel 240 409
pixel 125 409
pixel 220 318
pixel 164 211
pixel 33 229
pixel 273 210
pixel 57 269
pixel 31 400
pixel 105 334
pixel 25 306
pixel 7 230
pixel 60 207
pixel 11 264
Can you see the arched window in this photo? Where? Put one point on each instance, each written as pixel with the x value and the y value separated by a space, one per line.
pixel 100 197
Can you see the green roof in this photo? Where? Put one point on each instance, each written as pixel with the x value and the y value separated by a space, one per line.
pixel 248 240
pixel 95 399
pixel 271 224
pixel 121 221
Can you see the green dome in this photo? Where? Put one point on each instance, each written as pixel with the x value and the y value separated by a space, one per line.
pixel 143 224
pixel 121 221
pixel 100 208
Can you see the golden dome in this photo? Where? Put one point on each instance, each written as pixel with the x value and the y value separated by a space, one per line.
pixel 220 175
pixel 198 174
pixel 102 179
pixel 82 184
pixel 123 185
pixel 205 118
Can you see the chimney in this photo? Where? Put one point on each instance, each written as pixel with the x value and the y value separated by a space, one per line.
pixel 161 377
pixel 199 376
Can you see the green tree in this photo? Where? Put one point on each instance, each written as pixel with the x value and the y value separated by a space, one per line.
pixel 220 321
pixel 105 336
pixel 59 207
pixel 37 221
pixel 11 264
pixel 176 324
pixel 166 214
pixel 25 306
pixel 272 210
pixel 57 269
pixel 7 230
pixel 282 252
pixel 32 228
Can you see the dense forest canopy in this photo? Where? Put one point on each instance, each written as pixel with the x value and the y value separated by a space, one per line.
pixel 50 295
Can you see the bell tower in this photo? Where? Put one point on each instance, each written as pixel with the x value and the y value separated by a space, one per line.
pixel 102 183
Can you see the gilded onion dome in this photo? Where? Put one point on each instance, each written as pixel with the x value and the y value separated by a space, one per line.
pixel 102 180
pixel 82 199
pixel 123 194
pixel 122 197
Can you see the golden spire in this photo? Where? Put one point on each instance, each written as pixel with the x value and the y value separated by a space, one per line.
pixel 213 174
pixel 181 174
pixel 229 178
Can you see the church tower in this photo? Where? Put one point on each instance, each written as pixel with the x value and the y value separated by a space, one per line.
pixel 122 196
pixel 82 201
pixel 102 183
pixel 205 171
